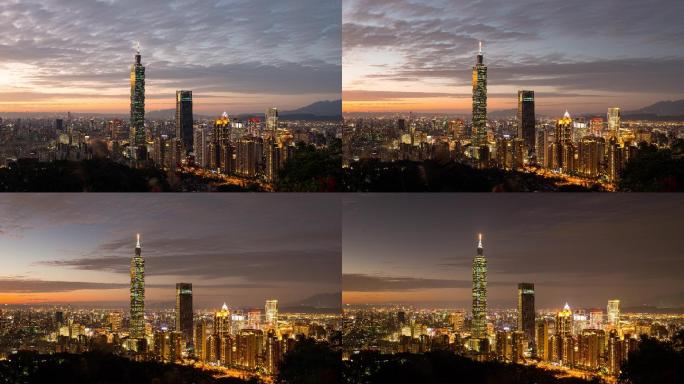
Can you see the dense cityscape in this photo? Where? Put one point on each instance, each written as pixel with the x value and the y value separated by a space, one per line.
pixel 572 342
pixel 244 150
pixel 586 150
pixel 228 342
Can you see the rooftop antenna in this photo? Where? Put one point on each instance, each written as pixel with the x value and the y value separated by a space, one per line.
pixel 138 244
pixel 479 244
pixel 480 51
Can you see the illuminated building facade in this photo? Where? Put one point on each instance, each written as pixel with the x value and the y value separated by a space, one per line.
pixel 613 311
pixel 526 119
pixel 479 135
pixel 272 122
pixel 137 133
pixel 184 120
pixel 564 149
pixel 137 327
pixel 613 117
pixel 184 310
pixel 526 314
pixel 479 324
pixel 271 311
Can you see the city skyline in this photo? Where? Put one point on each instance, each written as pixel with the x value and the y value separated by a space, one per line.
pixel 73 249
pixel 61 56
pixel 418 250
pixel 401 56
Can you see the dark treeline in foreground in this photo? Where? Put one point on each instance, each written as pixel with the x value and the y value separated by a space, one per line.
pixel 444 367
pixel 97 368
pixel 653 169
pixel 444 176
pixel 310 170
pixel 653 362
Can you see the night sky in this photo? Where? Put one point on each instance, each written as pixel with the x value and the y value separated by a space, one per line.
pixel 241 249
pixel 418 249
pixel 235 55
pixel 583 55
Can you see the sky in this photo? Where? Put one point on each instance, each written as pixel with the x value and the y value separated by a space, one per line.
pixel 418 249
pixel 583 55
pixel 239 249
pixel 235 55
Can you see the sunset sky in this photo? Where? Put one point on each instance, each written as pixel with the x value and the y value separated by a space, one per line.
pixel 418 249
pixel 235 55
pixel 241 249
pixel 584 55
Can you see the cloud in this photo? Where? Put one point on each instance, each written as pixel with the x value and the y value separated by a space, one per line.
pixel 26 285
pixel 221 46
pixel 352 282
pixel 273 266
pixel 597 49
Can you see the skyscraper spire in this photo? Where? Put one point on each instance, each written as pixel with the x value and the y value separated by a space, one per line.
pixel 137 325
pixel 479 52
pixel 479 323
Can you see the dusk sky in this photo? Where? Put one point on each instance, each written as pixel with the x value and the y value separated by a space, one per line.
pixel 584 250
pixel 239 249
pixel 583 55
pixel 235 55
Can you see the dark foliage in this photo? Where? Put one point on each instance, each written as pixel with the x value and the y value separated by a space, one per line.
pixel 442 176
pixel 655 170
pixel 312 170
pixel 96 175
pixel 95 368
pixel 655 362
pixel 443 368
pixel 311 363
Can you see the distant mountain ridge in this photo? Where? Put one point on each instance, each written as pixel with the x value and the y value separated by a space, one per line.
pixel 662 108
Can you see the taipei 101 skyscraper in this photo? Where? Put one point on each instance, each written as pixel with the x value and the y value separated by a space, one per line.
pixel 137 132
pixel 479 133
pixel 137 330
pixel 479 324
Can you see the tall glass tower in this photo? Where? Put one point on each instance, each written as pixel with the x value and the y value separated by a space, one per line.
pixel 184 120
pixel 479 101
pixel 526 119
pixel 137 136
pixel 613 117
pixel 272 122
pixel 137 330
pixel 184 310
pixel 479 324
pixel 526 314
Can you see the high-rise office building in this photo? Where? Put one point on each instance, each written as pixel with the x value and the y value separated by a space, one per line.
pixel 222 322
pixel 479 323
pixel 564 321
pixel 271 311
pixel 479 101
pixel 526 314
pixel 137 327
pixel 184 310
pixel 613 117
pixel 526 119
pixel 137 133
pixel 613 311
pixel 184 120
pixel 564 150
pixel 272 122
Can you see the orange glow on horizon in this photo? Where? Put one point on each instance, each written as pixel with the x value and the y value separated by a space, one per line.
pixel 427 295
pixel 99 295
pixel 442 104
